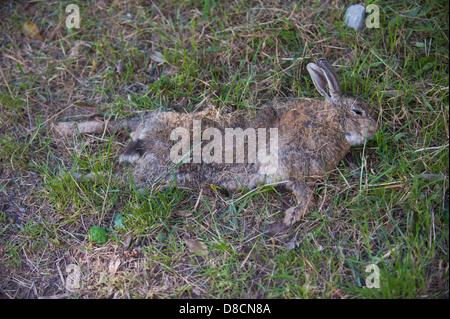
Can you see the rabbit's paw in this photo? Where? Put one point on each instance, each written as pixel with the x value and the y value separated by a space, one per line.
pixel 294 214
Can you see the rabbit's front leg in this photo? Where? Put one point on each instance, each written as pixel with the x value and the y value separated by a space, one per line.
pixel 305 203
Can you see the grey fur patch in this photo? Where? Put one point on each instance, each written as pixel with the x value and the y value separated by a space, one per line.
pixel 134 150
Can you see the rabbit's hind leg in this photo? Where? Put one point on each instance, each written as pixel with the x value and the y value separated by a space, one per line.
pixel 305 202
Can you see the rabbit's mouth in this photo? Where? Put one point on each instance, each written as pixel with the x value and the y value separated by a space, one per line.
pixel 362 133
pixel 355 139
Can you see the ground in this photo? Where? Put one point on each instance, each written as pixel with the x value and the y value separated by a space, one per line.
pixel 386 204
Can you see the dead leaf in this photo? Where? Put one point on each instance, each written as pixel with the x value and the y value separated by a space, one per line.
pixel 113 264
pixel 157 57
pixel 119 68
pixel 127 242
pixel 291 245
pixel 182 213
pixel 131 253
pixel 196 246
pixel 31 31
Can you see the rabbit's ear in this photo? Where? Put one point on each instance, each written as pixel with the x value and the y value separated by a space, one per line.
pixel 324 79
pixel 332 80
pixel 318 78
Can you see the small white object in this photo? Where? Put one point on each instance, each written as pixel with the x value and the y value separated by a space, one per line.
pixel 157 56
pixel 354 16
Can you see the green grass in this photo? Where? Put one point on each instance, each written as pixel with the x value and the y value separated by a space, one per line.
pixel 385 204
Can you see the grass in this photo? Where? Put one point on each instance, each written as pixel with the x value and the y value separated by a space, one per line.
pixel 385 204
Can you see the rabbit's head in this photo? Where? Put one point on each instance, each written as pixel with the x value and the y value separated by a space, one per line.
pixel 351 115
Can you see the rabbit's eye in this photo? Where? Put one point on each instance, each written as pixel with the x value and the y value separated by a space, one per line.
pixel 358 111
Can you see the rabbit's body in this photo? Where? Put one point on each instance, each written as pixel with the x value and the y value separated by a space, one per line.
pixel 308 146
pixel 310 137
pixel 153 136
